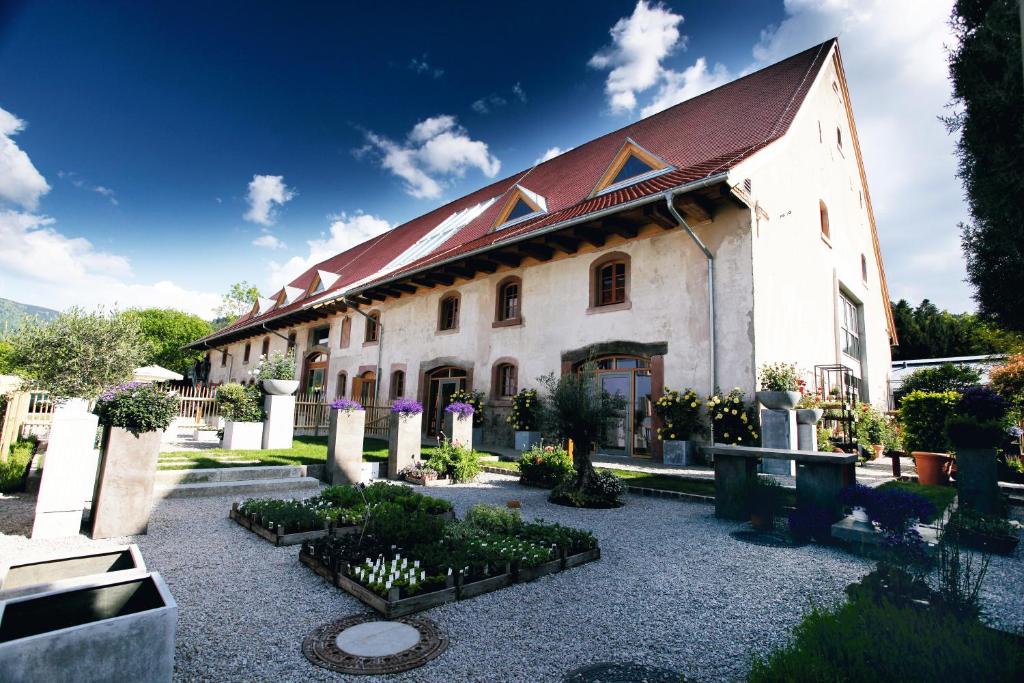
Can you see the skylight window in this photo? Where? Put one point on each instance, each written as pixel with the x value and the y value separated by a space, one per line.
pixel 438 236
pixel 632 164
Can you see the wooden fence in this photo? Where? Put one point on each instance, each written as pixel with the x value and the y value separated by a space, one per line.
pixel 312 413
pixel 198 404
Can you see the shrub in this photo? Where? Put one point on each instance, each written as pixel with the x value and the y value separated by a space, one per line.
pixel 545 466
pixel 923 416
pixel 764 495
pixel 604 490
pixel 12 472
pixel 494 519
pixel 455 461
pixel 779 377
pixel 473 398
pixel 732 420
pixel 137 408
pixel 874 427
pixel 980 420
pixel 680 415
pixel 240 403
pixel 867 641
pixel 947 377
pixel 526 411
pixel 278 366
pixel 393 524
pixel 79 354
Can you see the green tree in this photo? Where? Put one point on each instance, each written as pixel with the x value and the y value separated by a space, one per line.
pixel 928 332
pixel 79 354
pixel 6 357
pixel 165 333
pixel 239 299
pixel 988 92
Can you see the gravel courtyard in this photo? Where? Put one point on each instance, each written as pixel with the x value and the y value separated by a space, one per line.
pixel 672 589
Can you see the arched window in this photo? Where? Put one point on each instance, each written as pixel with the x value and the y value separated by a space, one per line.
pixel 364 388
pixel 223 357
pixel 609 280
pixel 397 384
pixel 346 331
pixel 291 341
pixel 506 380
pixel 509 300
pixel 864 267
pixel 448 315
pixel 265 348
pixel 339 390
pixel 373 328
pixel 823 212
pixel 246 352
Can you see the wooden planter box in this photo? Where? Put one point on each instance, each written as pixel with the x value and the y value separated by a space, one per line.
pixel 530 573
pixel 276 536
pixel 582 558
pixel 426 482
pixel 491 583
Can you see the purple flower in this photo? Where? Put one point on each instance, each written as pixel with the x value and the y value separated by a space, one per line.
pixel 894 509
pixel 857 495
pixel 346 404
pixel 462 410
pixel 112 392
pixel 406 407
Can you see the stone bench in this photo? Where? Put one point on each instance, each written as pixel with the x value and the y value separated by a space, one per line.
pixel 819 476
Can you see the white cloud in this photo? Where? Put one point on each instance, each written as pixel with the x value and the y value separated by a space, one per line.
pixel 269 241
pixel 895 61
pixel 551 153
pixel 346 231
pixel 266 192
pixel 421 66
pixel 486 104
pixel 20 182
pixel 435 150
pixel 41 265
pixel 79 182
pixel 677 86
pixel 639 43
pixel 106 192
pixel 518 91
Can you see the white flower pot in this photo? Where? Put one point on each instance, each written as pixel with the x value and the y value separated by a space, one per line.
pixel 243 436
pixel 280 387
pixel 778 400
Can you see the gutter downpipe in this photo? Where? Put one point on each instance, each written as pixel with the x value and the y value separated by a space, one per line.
pixel 380 345
pixel 669 196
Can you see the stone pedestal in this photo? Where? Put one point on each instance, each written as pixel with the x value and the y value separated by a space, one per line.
pixel 807 437
pixel 124 484
pixel 346 429
pixel 778 430
pixel 69 471
pixel 459 429
pixel 819 484
pixel 242 436
pixel 403 442
pixel 680 452
pixel 524 441
pixel 279 425
pixel 977 479
pixel 732 476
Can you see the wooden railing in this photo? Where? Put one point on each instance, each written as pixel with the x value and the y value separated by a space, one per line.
pixel 311 412
pixel 198 404
pixel 40 408
pixel 378 421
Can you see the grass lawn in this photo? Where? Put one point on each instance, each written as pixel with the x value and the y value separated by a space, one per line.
pixel 940 496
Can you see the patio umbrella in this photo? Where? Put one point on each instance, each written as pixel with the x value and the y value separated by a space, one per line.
pixel 155 373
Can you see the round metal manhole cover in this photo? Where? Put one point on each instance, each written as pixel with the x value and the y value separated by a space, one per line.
pixel 363 644
pixel 772 539
pixel 622 672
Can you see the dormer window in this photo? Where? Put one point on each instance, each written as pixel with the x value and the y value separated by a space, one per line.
pixel 521 205
pixel 632 164
pixel 321 281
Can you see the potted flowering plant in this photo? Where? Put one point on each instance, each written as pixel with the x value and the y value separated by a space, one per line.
pixel 810 407
pixel 923 415
pixel 874 429
pixel 976 428
pixel 458 423
pixel 419 473
pixel 243 416
pixel 681 420
pixel 404 435
pixel 732 420
pixel 525 419
pixel 133 416
pixel 780 386
pixel 346 429
pixel 277 374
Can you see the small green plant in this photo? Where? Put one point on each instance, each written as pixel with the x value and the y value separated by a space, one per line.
pixel 764 496
pixel 779 377
pixel 494 519
pixel 680 414
pixel 240 403
pixel 526 411
pixel 13 471
pixel 545 466
pixel 277 366
pixel 824 439
pixel 137 408
pixel 604 490
pixel 923 416
pixel 458 463
pixel 960 578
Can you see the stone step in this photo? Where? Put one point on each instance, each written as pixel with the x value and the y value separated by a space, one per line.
pixel 228 474
pixel 241 487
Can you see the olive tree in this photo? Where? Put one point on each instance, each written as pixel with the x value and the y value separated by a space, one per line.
pixel 79 354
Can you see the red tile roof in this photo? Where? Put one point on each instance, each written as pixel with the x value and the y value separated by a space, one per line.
pixel 700 137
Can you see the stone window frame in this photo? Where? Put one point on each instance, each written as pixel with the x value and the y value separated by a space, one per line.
pixel 496 368
pixel 825 226
pixel 499 302
pixel 223 358
pixel 345 334
pixel 246 353
pixel 595 282
pixel 452 296
pixel 371 331
pixel 340 384
pixel 396 386
pixel 265 348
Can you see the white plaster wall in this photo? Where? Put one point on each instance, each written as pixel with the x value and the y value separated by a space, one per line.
pixel 798 274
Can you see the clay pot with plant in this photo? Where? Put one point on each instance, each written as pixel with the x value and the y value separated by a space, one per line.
pixel 923 416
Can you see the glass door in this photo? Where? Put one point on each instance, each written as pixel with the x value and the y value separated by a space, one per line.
pixel 615 439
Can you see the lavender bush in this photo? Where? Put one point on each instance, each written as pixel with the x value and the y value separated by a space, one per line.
pixel 346 405
pixel 460 410
pixel 406 407
pixel 894 510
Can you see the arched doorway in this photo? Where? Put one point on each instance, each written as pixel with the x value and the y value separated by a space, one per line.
pixel 315 373
pixel 364 388
pixel 441 384
pixel 629 377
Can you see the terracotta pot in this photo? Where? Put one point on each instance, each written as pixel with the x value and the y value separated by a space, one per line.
pixel 879 449
pixel 762 521
pixel 932 468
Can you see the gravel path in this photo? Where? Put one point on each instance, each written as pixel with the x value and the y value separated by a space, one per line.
pixel 672 589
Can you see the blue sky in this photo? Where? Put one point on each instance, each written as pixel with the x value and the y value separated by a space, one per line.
pixel 150 122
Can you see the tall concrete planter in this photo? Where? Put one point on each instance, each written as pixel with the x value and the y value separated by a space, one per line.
pixel 111 630
pixel 977 479
pixel 675 452
pixel 65 571
pixel 279 424
pixel 459 429
pixel 524 441
pixel 807 428
pixel 403 442
pixel 69 470
pixel 124 485
pixel 346 429
pixel 242 436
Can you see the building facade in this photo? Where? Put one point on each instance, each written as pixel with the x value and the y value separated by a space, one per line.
pixel 685 250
